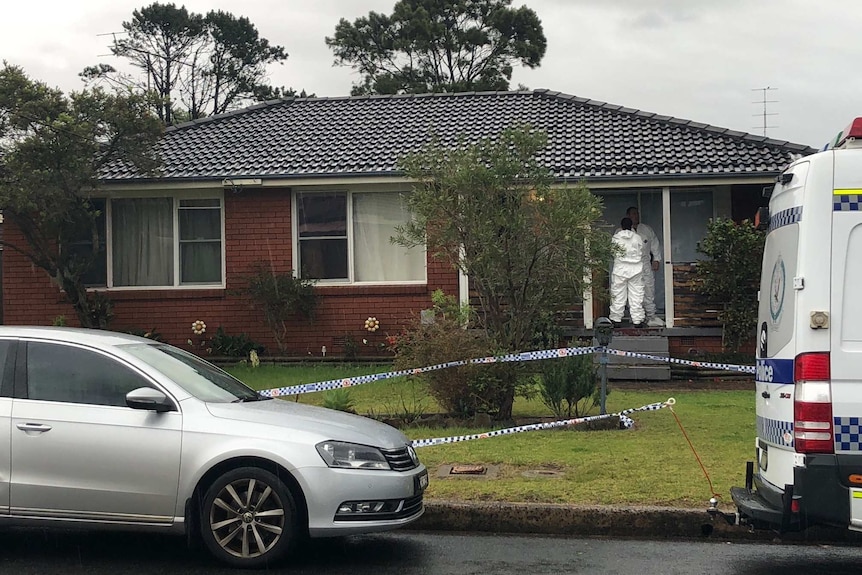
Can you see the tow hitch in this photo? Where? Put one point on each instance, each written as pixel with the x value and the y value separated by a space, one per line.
pixel 715 512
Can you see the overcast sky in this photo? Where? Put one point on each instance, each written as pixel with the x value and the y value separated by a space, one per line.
pixel 700 60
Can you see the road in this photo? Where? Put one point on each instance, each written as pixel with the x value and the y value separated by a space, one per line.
pixel 34 552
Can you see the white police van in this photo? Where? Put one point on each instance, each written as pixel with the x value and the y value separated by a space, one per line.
pixel 809 361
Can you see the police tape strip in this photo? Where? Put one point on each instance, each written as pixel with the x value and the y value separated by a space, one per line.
pixel 703 364
pixel 523 356
pixel 360 379
pixel 625 421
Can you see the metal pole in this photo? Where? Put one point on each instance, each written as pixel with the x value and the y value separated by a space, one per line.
pixel 603 370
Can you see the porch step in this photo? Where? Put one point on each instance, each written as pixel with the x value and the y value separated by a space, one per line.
pixel 635 368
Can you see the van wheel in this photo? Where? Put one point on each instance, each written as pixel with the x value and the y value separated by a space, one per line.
pixel 248 518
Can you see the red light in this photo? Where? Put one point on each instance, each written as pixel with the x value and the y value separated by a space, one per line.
pixel 854 130
pixel 794 506
pixel 813 427
pixel 811 367
pixel 812 417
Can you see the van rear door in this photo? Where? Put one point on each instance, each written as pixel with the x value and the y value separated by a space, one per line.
pixel 774 373
pixel 846 319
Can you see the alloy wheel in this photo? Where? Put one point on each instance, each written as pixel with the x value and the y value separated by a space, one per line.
pixel 247 518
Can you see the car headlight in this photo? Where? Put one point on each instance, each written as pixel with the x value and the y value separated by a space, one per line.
pixel 351 455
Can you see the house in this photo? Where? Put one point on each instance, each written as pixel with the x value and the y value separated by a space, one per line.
pixel 312 184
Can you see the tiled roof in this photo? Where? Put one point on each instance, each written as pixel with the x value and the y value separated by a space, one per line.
pixel 306 137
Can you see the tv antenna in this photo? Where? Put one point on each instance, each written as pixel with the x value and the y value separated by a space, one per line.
pixel 764 101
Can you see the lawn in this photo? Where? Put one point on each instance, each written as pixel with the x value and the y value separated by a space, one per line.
pixel 649 465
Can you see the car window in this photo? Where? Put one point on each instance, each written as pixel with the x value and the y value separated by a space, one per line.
pixel 57 372
pixel 198 377
pixel 5 384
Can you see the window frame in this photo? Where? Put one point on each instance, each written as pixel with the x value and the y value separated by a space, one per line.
pixel 351 277
pixel 176 198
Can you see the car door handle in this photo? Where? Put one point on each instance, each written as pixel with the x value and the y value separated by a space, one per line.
pixel 38 427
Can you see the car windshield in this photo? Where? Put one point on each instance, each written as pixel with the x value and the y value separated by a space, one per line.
pixel 198 377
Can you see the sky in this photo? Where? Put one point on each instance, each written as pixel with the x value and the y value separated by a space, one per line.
pixel 701 60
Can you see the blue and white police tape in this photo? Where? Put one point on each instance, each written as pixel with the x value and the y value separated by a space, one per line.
pixel 523 356
pixel 360 379
pixel 703 364
pixel 624 420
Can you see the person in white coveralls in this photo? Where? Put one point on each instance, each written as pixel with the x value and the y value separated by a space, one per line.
pixel 651 262
pixel 627 283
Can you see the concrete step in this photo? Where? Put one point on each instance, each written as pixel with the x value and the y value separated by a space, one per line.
pixel 635 368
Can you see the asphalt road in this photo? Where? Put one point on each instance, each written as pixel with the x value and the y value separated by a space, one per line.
pixel 25 552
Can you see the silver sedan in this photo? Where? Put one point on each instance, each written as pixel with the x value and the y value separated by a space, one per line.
pixel 105 429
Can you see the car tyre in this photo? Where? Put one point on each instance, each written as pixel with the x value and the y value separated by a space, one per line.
pixel 248 518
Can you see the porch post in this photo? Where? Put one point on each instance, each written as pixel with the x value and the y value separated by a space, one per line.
pixel 463 284
pixel 666 256
pixel 588 293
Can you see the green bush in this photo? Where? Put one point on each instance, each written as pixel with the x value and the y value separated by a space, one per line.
pixel 227 345
pixel 568 385
pixel 731 276
pixel 281 297
pixel 464 390
pixel 339 399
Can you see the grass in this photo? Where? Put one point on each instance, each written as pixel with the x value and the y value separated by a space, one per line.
pixel 650 465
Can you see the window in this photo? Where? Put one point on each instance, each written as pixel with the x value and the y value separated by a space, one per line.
pixel 142 240
pixel 690 212
pixel 64 373
pixel 88 249
pixel 158 242
pixel 200 241
pixel 345 236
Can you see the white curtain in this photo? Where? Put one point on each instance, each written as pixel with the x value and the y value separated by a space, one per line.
pixel 142 232
pixel 375 257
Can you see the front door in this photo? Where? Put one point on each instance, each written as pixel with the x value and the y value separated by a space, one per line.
pixel 649 204
pixel 78 452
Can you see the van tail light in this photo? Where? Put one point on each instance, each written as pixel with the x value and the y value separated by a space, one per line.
pixel 812 406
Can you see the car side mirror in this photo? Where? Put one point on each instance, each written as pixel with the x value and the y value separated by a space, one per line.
pixel 149 399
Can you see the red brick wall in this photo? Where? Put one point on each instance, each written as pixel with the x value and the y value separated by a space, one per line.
pixel 257 227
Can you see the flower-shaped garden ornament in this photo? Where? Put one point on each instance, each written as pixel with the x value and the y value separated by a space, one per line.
pixel 199 327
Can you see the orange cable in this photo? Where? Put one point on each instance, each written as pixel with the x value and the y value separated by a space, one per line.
pixel 693 450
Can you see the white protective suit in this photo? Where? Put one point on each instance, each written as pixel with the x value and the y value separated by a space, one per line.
pixel 652 246
pixel 627 277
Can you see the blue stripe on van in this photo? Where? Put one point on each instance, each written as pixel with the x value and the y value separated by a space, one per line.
pixel 785 218
pixel 774 371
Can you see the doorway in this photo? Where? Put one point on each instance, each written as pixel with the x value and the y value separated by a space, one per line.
pixel 615 203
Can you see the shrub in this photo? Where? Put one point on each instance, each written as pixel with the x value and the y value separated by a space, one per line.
pixel 351 348
pixel 100 309
pixel 233 345
pixel 463 390
pixel 731 276
pixel 568 385
pixel 281 297
pixel 339 399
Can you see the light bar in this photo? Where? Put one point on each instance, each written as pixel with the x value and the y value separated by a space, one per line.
pixel 854 130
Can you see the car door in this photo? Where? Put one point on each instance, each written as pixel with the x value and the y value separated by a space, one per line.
pixel 7 367
pixel 77 451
